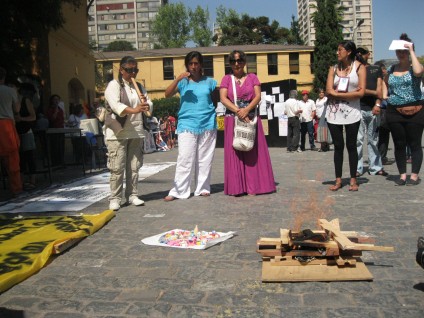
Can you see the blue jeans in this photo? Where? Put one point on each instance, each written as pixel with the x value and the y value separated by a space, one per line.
pixel 307 127
pixel 369 125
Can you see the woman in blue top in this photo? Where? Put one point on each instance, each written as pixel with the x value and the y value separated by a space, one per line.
pixel 405 113
pixel 196 129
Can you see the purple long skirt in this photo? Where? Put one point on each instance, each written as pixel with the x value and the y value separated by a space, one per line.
pixel 247 172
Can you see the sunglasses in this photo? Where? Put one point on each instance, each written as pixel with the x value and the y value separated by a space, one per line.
pixel 239 61
pixel 130 69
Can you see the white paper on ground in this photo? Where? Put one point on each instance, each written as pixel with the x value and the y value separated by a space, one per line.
pixel 154 240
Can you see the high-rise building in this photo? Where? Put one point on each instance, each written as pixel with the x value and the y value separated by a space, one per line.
pixel 122 20
pixel 357 21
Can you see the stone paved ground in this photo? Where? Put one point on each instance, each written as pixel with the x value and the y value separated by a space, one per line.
pixel 111 274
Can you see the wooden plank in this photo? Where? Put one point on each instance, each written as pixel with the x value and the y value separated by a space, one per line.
pixel 289 261
pixel 63 246
pixel 371 247
pixel 338 236
pixel 284 236
pixel 316 273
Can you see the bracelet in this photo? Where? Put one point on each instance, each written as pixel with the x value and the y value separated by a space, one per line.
pixel 378 105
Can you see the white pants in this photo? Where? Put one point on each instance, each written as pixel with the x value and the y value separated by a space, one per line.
pixel 194 151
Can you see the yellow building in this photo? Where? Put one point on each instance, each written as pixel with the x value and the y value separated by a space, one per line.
pixel 72 65
pixel 271 63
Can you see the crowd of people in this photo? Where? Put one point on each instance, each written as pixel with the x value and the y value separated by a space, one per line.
pixel 360 102
pixel 24 120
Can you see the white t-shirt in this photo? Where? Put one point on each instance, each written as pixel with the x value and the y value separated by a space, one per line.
pixel 291 107
pixel 308 108
pixel 320 104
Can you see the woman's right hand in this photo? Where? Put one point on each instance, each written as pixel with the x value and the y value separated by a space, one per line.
pixel 183 75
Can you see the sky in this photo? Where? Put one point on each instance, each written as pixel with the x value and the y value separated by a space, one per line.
pixel 391 18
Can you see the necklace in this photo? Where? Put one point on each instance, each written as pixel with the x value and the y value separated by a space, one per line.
pixel 239 80
pixel 345 70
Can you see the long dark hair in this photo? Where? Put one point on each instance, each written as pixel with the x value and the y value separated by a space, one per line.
pixel 125 60
pixel 349 46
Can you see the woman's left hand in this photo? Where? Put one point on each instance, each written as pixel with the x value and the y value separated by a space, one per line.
pixel 243 114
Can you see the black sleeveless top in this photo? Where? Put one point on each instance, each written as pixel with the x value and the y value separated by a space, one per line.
pixel 24 126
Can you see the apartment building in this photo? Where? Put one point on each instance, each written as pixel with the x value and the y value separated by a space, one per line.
pixel 122 20
pixel 357 21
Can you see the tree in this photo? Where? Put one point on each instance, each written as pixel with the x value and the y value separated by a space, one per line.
pixel 171 26
pixel 236 29
pixel 24 28
pixel 117 46
pixel 294 37
pixel 201 33
pixel 328 33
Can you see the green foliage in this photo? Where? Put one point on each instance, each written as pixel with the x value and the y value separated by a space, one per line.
pixel 239 30
pixel 118 46
pixel 328 34
pixel 294 36
pixel 171 26
pixel 201 33
pixel 23 23
pixel 166 106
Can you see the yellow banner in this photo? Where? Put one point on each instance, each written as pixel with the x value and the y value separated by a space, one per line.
pixel 27 243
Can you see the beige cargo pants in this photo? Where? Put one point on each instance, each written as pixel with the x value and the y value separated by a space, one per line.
pixel 124 157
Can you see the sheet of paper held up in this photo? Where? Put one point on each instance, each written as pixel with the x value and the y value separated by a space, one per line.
pixel 398 45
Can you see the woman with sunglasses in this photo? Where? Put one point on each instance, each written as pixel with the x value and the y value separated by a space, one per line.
pixel 404 94
pixel 125 154
pixel 196 129
pixel 245 172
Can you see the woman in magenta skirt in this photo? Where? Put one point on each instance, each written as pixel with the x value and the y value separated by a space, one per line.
pixel 245 172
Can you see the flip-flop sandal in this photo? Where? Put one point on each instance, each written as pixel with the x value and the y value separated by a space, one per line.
pixel 336 186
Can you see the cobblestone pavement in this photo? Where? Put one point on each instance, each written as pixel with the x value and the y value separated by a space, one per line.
pixel 112 274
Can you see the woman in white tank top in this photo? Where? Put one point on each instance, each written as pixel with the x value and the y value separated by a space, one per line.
pixel 345 86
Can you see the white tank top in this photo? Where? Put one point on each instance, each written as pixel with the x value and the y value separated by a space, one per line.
pixel 343 112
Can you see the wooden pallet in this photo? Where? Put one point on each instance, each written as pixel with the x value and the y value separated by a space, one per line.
pixel 327 254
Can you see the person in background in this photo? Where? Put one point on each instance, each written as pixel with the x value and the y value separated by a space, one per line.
pixel 293 111
pixel 25 122
pixel 74 121
pixel 125 148
pixel 320 105
pixel 245 172
pixel 173 127
pixel 383 129
pixel 196 129
pixel 403 82
pixel 370 113
pixel 9 141
pixel 306 120
pixel 345 87
pixel 56 116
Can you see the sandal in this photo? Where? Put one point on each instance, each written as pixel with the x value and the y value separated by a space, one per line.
pixel 382 173
pixel 353 187
pixel 205 194
pixel 336 186
pixel 169 198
